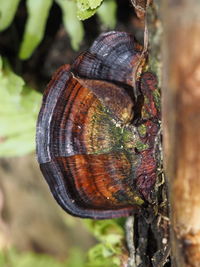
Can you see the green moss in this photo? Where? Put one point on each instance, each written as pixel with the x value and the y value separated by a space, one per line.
pixel 156 96
pixel 142 130
pixel 141 146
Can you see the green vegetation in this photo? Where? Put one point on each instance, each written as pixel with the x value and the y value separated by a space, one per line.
pixel 110 233
pixel 20 104
pixel 72 12
pixel 107 253
pixel 12 258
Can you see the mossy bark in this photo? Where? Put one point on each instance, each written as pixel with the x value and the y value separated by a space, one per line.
pixel 151 245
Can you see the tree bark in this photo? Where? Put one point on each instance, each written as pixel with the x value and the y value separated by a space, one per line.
pixel 147 232
pixel 181 123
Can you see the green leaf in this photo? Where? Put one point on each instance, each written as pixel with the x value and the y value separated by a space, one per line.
pixel 82 15
pixel 88 4
pixel 102 229
pixel 87 8
pixel 17 145
pixel 94 3
pixel 109 232
pixel 38 12
pixel 107 13
pixel 19 108
pixel 83 5
pixel 7 12
pixel 99 256
pixel 73 26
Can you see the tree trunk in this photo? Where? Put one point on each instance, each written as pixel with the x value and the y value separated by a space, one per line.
pixel 181 123
pixel 150 228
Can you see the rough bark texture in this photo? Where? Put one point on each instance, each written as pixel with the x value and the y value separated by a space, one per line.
pixel 151 238
pixel 181 121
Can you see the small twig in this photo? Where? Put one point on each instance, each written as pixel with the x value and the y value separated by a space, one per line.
pixel 144 51
pixel 157 142
pixel 130 241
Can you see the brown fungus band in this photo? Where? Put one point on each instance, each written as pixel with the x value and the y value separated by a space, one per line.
pixel 95 141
